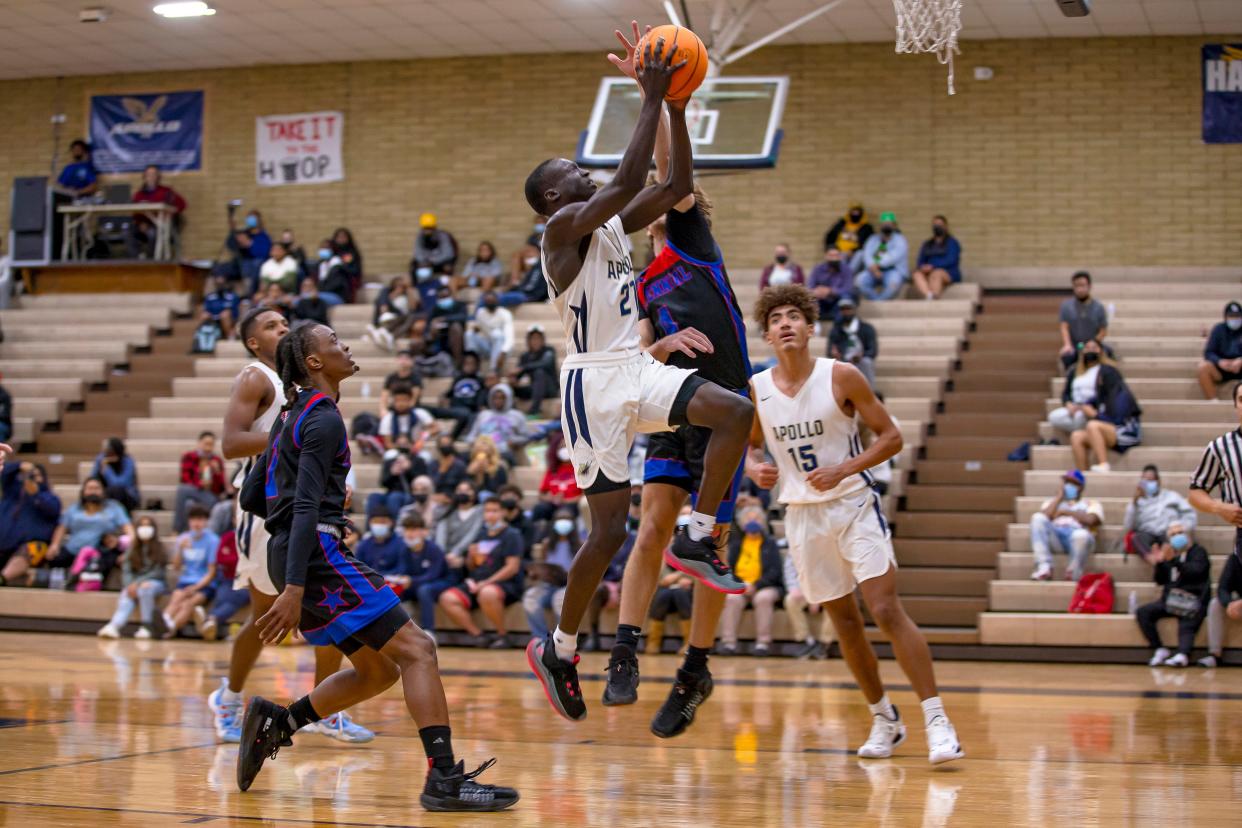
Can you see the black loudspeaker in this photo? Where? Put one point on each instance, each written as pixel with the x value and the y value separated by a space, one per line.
pixel 30 220
pixel 1075 8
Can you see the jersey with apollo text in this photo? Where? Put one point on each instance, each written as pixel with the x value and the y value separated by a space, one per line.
pixel 599 309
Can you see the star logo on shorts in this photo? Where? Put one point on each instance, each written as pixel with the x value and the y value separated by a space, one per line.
pixel 332 599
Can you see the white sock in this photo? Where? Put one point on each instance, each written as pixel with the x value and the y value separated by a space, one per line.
pixel 227 695
pixel 566 644
pixel 701 526
pixel 931 709
pixel 168 620
pixel 884 708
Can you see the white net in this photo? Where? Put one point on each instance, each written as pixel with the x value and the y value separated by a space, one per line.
pixel 929 26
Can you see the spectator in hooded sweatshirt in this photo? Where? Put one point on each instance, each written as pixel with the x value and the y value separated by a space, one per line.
pixel 1222 356
pixel 849 234
pixel 1151 511
pixel 29 509
pixel 501 421
pixel 940 261
pixel 886 267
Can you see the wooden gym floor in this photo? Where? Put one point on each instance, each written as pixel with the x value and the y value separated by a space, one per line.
pixel 118 733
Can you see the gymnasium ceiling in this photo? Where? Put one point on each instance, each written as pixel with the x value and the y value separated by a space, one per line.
pixel 40 38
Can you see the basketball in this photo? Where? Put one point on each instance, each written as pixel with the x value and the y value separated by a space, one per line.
pixel 689 48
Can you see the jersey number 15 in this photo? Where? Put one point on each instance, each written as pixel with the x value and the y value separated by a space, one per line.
pixel 805 458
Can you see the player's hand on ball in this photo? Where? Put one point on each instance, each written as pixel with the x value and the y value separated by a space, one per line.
pixel 764 474
pixel 626 64
pixel 655 75
pixel 283 617
pixel 826 478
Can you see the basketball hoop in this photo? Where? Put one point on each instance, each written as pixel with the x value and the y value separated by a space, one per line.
pixel 929 26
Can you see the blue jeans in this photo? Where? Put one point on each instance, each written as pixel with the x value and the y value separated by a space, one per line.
pixel 394 501
pixel 1047 537
pixel 512 298
pixel 427 595
pixel 148 591
pixel 880 289
pixel 331 299
pixel 537 600
pixel 228 602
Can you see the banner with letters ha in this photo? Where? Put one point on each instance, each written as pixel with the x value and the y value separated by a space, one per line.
pixel 130 132
pixel 299 149
pixel 1222 93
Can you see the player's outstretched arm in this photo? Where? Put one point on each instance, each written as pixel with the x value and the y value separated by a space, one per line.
pixel 246 396
pixel 658 199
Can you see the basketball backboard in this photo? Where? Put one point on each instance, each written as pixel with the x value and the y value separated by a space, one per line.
pixel 734 122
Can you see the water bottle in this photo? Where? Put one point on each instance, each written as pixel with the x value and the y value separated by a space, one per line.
pixel 56 580
pixel 1133 601
pixel 366 389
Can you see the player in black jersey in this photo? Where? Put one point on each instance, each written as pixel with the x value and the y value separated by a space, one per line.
pixel 691 319
pixel 328 594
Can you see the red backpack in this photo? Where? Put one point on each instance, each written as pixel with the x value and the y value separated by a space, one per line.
pixel 1094 594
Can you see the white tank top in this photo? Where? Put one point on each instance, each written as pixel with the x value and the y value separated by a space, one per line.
pixel 263 423
pixel 806 432
pixel 599 309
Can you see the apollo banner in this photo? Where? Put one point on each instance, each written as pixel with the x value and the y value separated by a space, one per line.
pixel 1222 93
pixel 299 149
pixel 130 132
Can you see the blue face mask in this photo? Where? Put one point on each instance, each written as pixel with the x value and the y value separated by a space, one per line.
pixel 539 228
pixel 752 527
pixel 1071 491
pixel 1179 541
pixel 683 520
pixel 380 530
pixel 563 527
pixel 445 303
pixel 1233 324
pixel 495 527
pixel 1150 487
pixel 325 253
pixel 252 222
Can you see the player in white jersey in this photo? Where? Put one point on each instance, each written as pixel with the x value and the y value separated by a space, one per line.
pixel 805 412
pixel 254 403
pixel 610 387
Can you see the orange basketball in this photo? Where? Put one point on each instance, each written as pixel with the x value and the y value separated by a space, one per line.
pixel 688 48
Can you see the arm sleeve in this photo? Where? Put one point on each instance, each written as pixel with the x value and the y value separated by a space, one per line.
pixel 1196 570
pixel 1208 473
pixel 1066 314
pixel 924 255
pixel 470 533
pixel 1186 513
pixel 260 246
pixel 1161 572
pixel 1069 385
pixel 690 233
pixel 830 238
pixel 322 434
pixel 870 342
pixel 1213 352
pixel 953 254
pixel 506 327
pixel 1127 523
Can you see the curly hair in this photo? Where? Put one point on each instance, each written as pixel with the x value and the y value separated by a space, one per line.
pixel 291 359
pixel 781 295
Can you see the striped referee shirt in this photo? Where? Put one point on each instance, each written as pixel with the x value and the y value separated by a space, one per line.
pixel 1222 466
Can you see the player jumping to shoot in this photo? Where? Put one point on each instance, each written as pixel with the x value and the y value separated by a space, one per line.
pixel 805 412
pixel 610 387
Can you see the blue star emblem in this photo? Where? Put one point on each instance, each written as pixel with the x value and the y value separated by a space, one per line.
pixel 332 599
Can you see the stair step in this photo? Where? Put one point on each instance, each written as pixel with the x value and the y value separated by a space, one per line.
pixel 969 525
pixel 937 498
pixel 1014 426
pixel 942 610
pixel 971 582
pixel 956 552
pixel 969 473
pixel 1004 381
pixel 988 360
pixel 971 448
pixel 983 402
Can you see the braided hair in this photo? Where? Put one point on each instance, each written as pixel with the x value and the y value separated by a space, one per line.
pixel 291 359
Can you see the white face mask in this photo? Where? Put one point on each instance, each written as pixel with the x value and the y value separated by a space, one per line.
pixel 146 532
pixel 683 520
pixel 562 454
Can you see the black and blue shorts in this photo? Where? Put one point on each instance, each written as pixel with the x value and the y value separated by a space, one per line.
pixel 676 458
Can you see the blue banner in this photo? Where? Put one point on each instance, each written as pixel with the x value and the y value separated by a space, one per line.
pixel 129 132
pixel 1222 94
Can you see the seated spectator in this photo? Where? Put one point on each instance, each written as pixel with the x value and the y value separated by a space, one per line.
pixel 329 272
pixel 406 419
pixel 1082 319
pixel 548 573
pixel 428 572
pixel 83 525
pixel 140 241
pixel 446 325
pixel 384 550
pixel 449 470
pixel 559 486
pixel 6 413
pixel 423 502
pixel 345 249
pixel 674 594
pixel 396 315
pixel 940 261
pixel 486 469
pixel 398 471
pixel 526 281
pixel 536 378
pixel 1226 604
pixel 493 578
pixel 849 234
pixel 249 246
pixel 296 251
pixel 221 306
pixel 830 281
pixel 756 561
pixel 1183 570
pixel 465 397
pixel 142 582
pixel 1080 394
pixel 202 480
pixel 92 565
pixel 459 526
pixel 511 501
pixel 484 270
pixel 404 375
pixel 781 270
pixel 852 340
pixel 279 269
pixel 29 513
pixel 885 263
pixel 310 305
pixel 490 333
pixel 435 251
pixel 799 610
pixel 1065 523
pixel 194 561
pixel 501 421
pixel 1151 511
pixel 118 472
pixel 1113 421
pixel 79 178
pixel 228 601
pixel 1222 355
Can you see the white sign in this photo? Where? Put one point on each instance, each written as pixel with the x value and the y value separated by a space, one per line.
pixel 299 149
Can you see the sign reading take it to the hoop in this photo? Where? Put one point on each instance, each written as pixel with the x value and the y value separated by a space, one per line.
pixel 299 149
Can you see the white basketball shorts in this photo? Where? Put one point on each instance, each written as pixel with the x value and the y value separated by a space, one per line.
pixel 838 544
pixel 252 540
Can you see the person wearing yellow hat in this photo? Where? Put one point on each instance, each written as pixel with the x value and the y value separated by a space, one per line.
pixel 886 266
pixel 435 251
pixel 850 232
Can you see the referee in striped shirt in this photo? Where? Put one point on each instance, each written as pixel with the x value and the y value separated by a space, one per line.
pixel 1222 466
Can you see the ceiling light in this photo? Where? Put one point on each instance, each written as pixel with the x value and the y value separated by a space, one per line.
pixel 190 9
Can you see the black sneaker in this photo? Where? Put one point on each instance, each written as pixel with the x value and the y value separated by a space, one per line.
pixel 559 679
pixel 677 713
pixel 807 650
pixel 622 686
pixel 265 730
pixel 700 559
pixel 456 790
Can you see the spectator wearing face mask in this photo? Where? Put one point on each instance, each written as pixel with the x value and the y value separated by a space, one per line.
pixel 194 560
pixel 202 480
pixel 434 249
pixel 332 277
pixel 1222 356
pixel 849 234
pixel 1151 512
pixel 446 326
pixel 428 574
pixel 490 334
pixel 295 250
pixel 459 526
pixel 465 397
pixel 511 502
pixel 383 549
pixel 756 561
pixel 29 511
pixel 1113 421
pixel 449 470
pixel 831 281
pixel 484 270
pixel 1080 394
pixel 536 377
pixel 279 269
pixel 493 578
pixel 423 503
pixel 1082 319
pixel 310 304
pixel 221 306
pixel 559 486
pixel 852 340
pixel 1065 523
pixel 142 582
pixel 395 315
pixel 250 245
pixel 346 249
pixel 1225 606
pixel 548 573
pixel 1183 570
pixel 405 374
pixel 782 270
pixel 500 421
pixel 886 266
pixel 398 471
pixel 940 260
pixel 118 472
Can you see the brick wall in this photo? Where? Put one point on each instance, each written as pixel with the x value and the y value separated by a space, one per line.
pixel 1078 152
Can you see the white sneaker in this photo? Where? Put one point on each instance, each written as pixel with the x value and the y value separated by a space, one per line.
pixel 108 631
pixel 1178 660
pixel 1042 573
pixel 942 744
pixel 200 618
pixel 143 634
pixel 340 727
pixel 886 734
pixel 1159 657
pixel 1208 661
pixel 1101 467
